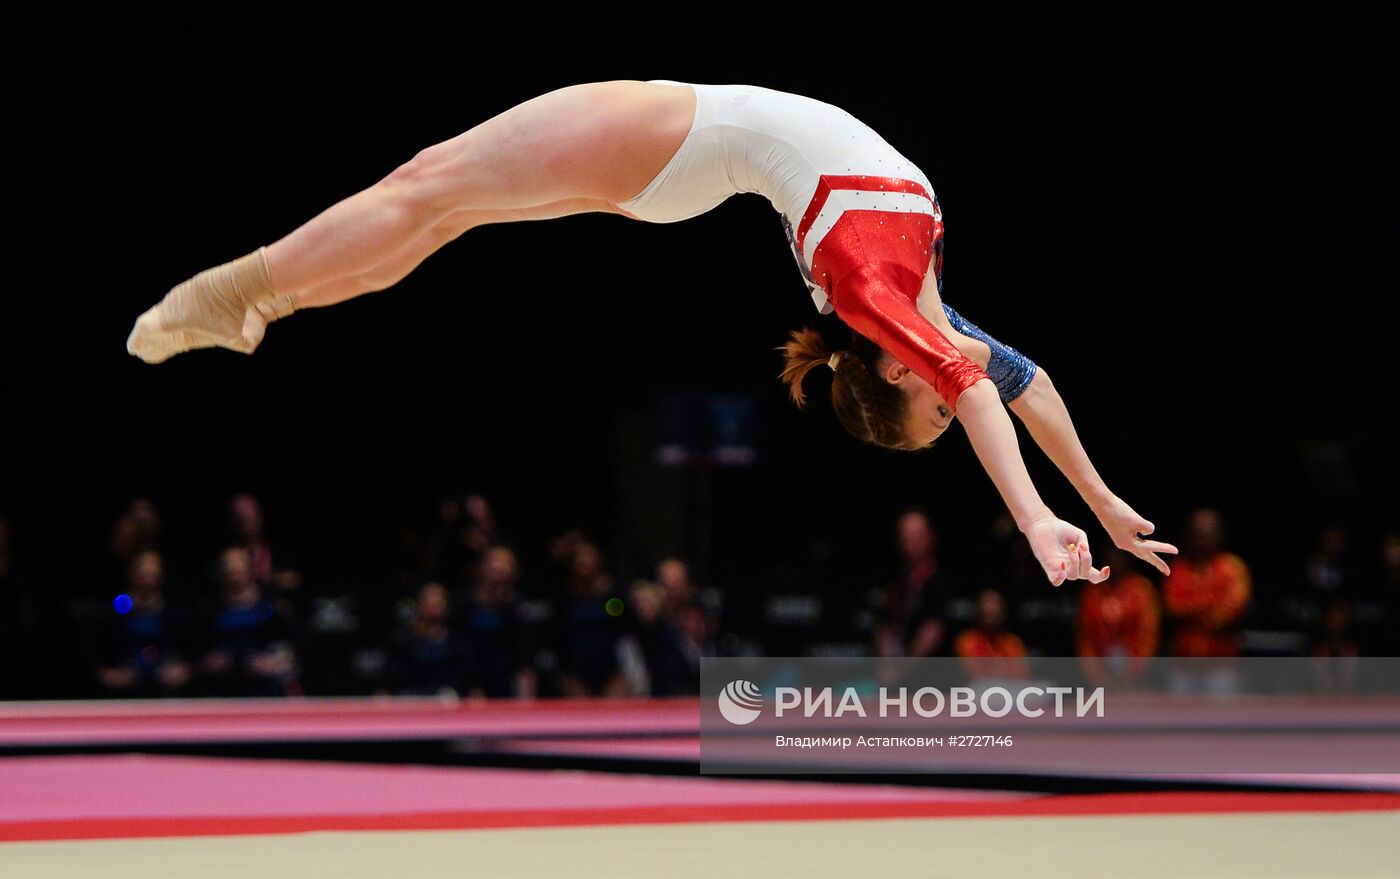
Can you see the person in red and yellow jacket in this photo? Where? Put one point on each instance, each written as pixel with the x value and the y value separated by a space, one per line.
pixel 1119 625
pixel 1207 592
pixel 987 650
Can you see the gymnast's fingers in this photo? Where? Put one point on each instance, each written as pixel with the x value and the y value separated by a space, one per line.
pixel 1087 570
pixel 1147 551
pixel 1072 563
pixel 1157 546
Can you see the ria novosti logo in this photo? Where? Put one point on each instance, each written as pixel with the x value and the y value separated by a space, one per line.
pixel 740 702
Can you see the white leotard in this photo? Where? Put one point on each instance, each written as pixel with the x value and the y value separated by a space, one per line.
pixel 752 139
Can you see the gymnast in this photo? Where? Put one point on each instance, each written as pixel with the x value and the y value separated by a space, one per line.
pixel 863 222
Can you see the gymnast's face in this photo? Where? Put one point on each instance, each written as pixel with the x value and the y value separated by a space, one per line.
pixel 929 415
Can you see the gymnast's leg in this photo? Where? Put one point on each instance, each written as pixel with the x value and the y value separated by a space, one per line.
pixel 600 142
pixel 401 263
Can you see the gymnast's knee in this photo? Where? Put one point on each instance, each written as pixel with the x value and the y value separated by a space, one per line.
pixel 423 182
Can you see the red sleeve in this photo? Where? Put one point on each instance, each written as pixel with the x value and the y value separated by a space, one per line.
pixel 890 319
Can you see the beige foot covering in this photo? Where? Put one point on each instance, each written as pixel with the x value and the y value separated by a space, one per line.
pixel 229 306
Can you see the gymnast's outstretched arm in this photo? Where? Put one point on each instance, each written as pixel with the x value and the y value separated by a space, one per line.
pixel 1045 415
pixel 1028 391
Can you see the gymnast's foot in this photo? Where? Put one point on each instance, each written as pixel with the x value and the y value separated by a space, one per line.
pixel 228 306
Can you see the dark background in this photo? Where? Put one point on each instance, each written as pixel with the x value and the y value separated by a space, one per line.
pixel 1191 223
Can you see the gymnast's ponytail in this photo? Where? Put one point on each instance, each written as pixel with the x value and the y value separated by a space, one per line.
pixel 805 350
pixel 871 409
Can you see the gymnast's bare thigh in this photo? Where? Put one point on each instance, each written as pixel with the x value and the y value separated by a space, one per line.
pixel 603 142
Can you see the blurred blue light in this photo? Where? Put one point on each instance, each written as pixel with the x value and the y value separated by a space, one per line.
pixel 122 603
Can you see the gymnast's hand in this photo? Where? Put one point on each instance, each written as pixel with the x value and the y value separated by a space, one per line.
pixel 1063 551
pixel 1129 532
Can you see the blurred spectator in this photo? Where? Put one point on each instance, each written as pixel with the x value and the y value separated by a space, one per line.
pixel 590 629
pixel 426 657
pixel 677 589
pixel 252 642
pixel 669 650
pixel 479 532
pixel 682 605
pixel 20 647
pixel 562 546
pixel 245 518
pixel 1207 592
pixel 988 650
pixel 1335 638
pixel 697 630
pixel 1119 623
pixel 454 545
pixel 1337 644
pixel 559 558
pixel 1383 600
pixel 488 615
pixel 1007 554
pixel 915 598
pixel 1389 577
pixel 136 530
pixel 1327 571
pixel 144 646
pixel 1047 619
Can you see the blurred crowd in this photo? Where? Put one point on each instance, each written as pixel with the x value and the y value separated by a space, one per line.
pixel 458 615
pixel 452 618
pixel 1340 604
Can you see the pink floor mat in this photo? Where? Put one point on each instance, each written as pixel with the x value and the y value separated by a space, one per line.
pixel 130 786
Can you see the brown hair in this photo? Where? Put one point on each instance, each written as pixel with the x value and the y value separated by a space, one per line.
pixel 870 408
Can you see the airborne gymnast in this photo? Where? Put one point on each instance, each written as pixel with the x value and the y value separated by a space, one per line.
pixel 863 222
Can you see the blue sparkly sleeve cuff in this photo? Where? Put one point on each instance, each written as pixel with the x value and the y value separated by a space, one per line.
pixel 1009 369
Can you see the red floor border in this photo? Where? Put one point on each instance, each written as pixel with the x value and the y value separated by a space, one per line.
pixel 1183 803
